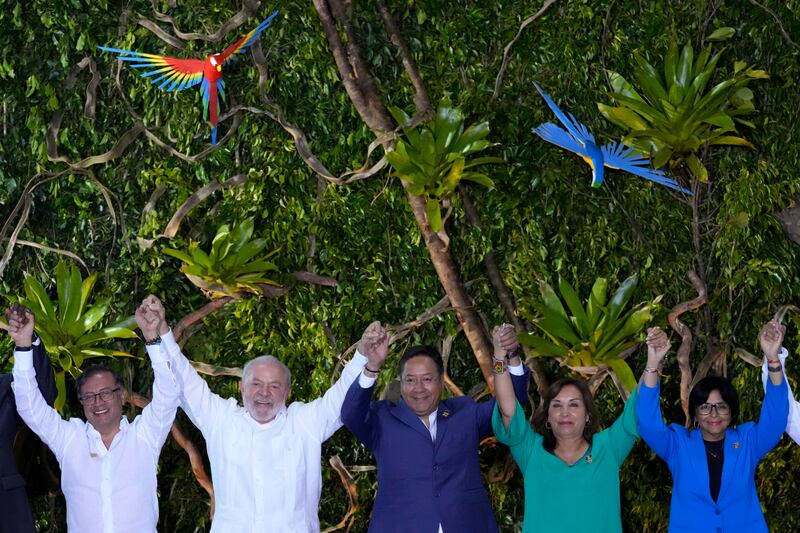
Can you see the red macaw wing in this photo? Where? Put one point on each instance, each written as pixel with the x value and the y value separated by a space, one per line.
pixel 245 42
pixel 177 74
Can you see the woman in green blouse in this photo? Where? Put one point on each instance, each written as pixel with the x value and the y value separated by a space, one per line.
pixel 570 468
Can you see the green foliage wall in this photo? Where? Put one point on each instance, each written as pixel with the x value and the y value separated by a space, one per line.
pixel 542 220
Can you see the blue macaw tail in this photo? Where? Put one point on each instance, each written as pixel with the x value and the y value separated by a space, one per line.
pixel 214 135
pixel 597 175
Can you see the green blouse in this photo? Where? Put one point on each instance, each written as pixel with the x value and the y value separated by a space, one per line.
pixel 580 498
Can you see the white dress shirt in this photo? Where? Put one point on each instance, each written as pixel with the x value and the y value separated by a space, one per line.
pixel 107 490
pixel 366 382
pixel 267 477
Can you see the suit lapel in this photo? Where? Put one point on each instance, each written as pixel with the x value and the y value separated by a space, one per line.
pixel 402 412
pixel 443 415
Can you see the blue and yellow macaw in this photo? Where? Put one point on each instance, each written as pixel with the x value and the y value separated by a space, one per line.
pixel 613 155
pixel 178 74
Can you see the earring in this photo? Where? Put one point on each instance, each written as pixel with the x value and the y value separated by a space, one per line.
pixel 547 425
pixel 588 418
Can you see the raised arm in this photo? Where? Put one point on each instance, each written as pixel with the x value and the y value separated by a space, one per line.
pixel 44 372
pixel 793 420
pixel 202 406
pixel 157 417
pixel 356 413
pixel 325 413
pixel 31 405
pixel 650 421
pixel 504 341
pixel 775 408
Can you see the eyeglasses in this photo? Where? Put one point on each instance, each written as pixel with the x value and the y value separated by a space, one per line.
pixel 722 408
pixel 104 395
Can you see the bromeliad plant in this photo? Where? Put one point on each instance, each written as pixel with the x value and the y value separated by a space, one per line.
pixel 235 263
pixel 675 115
pixel 435 157
pixel 70 327
pixel 591 335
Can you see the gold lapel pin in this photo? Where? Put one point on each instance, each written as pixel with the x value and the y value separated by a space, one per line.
pixel 445 413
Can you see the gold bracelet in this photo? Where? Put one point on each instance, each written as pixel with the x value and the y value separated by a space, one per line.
pixel 652 370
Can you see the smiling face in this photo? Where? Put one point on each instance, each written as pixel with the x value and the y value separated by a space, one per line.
pixel 264 389
pixel 104 416
pixel 713 424
pixel 567 413
pixel 421 385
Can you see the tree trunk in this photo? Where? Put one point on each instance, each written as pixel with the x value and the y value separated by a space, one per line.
pixel 361 88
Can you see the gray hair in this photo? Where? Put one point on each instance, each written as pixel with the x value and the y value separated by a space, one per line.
pixel 267 359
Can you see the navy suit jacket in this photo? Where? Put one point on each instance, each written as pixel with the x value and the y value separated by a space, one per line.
pixel 421 483
pixel 15 511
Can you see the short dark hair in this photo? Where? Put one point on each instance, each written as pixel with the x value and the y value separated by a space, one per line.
pixel 94 370
pixel 422 350
pixel 541 413
pixel 707 385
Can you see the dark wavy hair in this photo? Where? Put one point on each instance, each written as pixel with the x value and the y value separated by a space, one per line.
pixel 704 388
pixel 93 371
pixel 540 415
pixel 422 350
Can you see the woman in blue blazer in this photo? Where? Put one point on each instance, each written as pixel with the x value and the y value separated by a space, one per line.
pixel 714 462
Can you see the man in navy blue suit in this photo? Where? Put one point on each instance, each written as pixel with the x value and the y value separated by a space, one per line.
pixel 426 448
pixel 15 512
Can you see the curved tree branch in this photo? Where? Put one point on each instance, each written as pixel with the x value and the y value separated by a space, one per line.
pixel 686 337
pixel 352 495
pixel 249 9
pixel 190 203
pixel 525 23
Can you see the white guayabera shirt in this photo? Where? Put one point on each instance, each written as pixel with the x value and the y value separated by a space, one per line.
pixel 107 490
pixel 267 477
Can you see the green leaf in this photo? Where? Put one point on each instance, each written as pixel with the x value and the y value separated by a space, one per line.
pixel 481 179
pixel 178 254
pixel 597 302
pixel 434 213
pixel 623 117
pixel 722 120
pixel 623 372
pixel 540 346
pixel 575 306
pixel 697 168
pixel 551 301
pixel 721 34
pixel 732 141
pixel 61 392
pixel 621 297
pixel 38 300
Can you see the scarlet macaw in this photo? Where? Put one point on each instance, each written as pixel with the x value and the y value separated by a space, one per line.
pixel 178 74
pixel 613 155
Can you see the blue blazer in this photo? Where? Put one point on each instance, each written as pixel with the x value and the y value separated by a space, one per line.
pixel 737 508
pixel 15 512
pixel 421 483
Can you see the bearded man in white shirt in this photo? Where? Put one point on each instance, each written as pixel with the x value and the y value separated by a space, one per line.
pixel 265 457
pixel 108 465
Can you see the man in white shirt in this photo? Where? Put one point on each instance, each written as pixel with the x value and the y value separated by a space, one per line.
pixel 265 457
pixel 108 465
